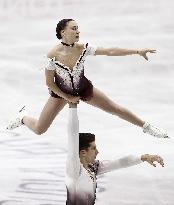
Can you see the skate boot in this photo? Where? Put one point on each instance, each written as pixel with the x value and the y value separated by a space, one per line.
pixel 17 120
pixel 154 131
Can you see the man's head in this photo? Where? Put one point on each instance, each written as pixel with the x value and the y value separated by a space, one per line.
pixel 87 147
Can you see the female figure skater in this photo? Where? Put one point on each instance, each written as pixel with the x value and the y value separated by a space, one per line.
pixel 82 168
pixel 66 82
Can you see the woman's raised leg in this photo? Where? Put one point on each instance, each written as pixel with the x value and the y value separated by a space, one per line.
pixel 49 112
pixel 101 101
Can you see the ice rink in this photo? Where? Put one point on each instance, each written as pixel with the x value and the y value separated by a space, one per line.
pixel 32 167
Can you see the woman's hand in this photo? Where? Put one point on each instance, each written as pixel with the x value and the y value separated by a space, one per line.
pixel 143 52
pixel 72 99
pixel 152 158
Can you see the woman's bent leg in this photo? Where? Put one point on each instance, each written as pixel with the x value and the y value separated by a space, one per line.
pixel 49 112
pixel 101 101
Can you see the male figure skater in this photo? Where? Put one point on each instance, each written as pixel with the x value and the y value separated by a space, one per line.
pixel 82 166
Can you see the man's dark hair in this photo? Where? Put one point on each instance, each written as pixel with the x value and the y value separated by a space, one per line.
pixel 60 26
pixel 84 140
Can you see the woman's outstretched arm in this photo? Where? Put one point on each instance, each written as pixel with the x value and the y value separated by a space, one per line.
pixel 123 52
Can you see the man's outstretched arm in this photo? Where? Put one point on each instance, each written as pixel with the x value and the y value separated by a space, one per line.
pixel 73 161
pixel 131 160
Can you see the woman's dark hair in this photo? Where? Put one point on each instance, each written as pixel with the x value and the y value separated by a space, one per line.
pixel 60 26
pixel 85 139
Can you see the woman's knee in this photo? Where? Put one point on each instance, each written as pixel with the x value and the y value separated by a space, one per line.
pixel 39 130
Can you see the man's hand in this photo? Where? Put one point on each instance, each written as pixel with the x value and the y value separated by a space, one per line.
pixel 144 52
pixel 72 105
pixel 72 99
pixel 152 158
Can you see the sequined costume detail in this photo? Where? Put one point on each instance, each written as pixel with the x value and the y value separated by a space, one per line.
pixel 72 81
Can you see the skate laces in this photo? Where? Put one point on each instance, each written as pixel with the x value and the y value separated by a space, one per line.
pixel 17 120
pixel 156 132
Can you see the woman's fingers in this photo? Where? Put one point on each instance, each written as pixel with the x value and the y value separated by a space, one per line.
pixel 145 56
pixel 143 53
pixel 160 160
pixel 152 51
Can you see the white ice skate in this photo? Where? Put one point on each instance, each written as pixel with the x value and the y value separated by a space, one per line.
pixel 154 131
pixel 17 120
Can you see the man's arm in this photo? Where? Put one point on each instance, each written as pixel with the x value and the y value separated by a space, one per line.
pixel 73 161
pixel 111 165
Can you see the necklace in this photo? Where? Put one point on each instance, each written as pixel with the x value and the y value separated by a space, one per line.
pixel 65 44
